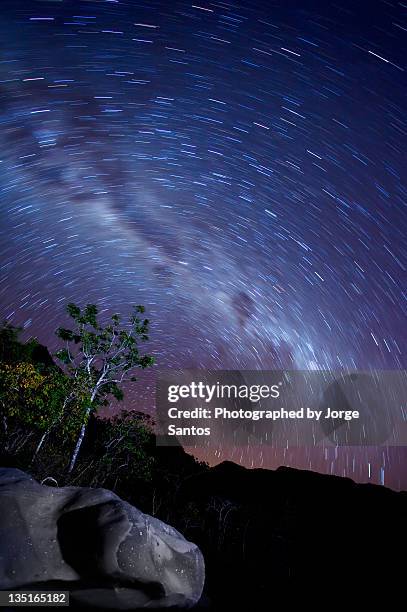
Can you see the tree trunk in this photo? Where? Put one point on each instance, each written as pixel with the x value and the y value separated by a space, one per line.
pixel 40 443
pixel 78 443
pixel 48 431
pixel 6 440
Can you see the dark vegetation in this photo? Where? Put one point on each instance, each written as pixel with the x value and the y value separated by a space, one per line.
pixel 47 402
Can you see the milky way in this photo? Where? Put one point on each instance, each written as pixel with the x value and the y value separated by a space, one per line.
pixel 239 169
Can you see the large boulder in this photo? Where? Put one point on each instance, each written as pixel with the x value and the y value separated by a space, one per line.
pixel 104 551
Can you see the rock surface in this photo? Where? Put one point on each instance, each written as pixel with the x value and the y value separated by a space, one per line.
pixel 104 551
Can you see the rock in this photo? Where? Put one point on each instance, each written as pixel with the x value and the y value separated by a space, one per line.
pixel 106 552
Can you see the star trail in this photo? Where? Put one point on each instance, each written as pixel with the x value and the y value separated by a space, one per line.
pixel 238 168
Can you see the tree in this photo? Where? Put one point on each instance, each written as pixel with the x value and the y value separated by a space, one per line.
pixel 35 399
pixel 120 453
pixel 34 393
pixel 100 359
pixel 12 350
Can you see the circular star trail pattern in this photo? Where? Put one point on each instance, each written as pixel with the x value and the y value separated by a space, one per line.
pixel 240 169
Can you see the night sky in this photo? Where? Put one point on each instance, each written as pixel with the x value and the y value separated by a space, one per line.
pixel 238 168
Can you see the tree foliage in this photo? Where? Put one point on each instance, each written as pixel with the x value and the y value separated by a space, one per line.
pixel 33 397
pixel 34 393
pixel 121 451
pixel 100 358
pixel 38 398
pixel 12 350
